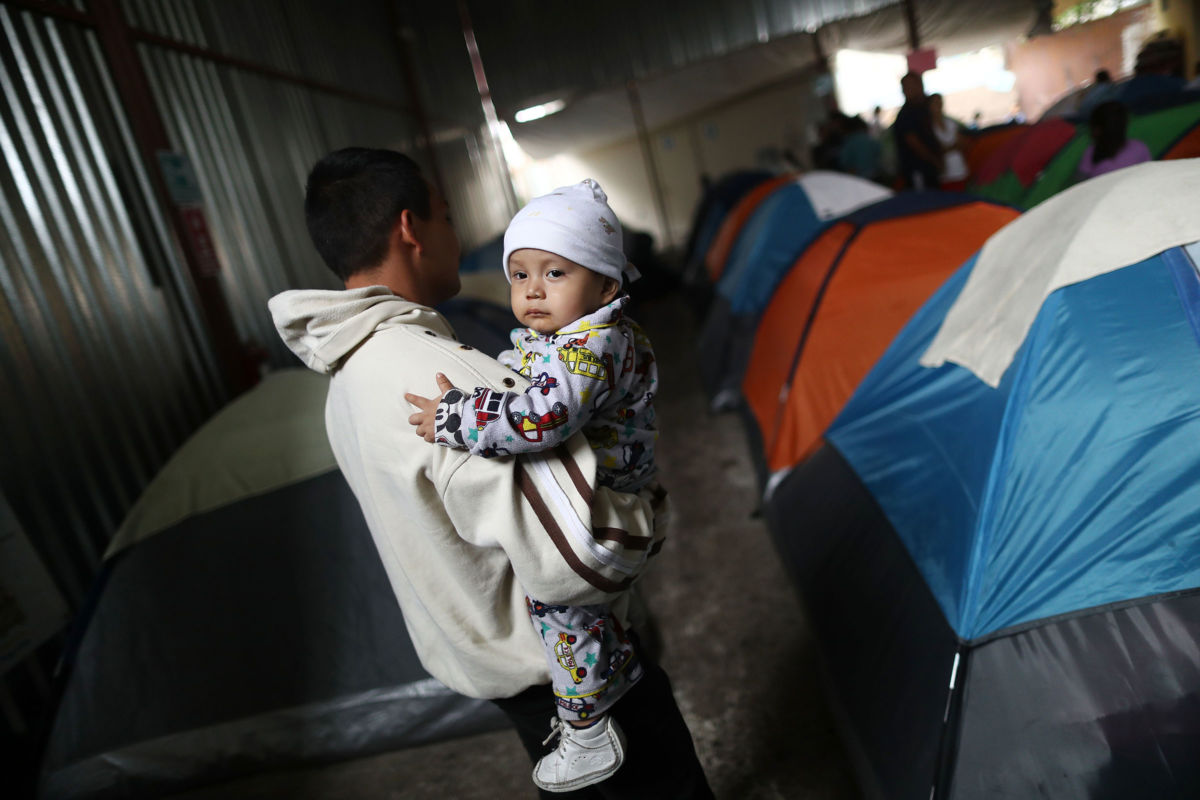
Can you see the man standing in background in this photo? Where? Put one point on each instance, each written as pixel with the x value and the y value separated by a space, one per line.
pixel 917 149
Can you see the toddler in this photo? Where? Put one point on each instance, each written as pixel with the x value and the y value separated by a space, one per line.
pixel 592 369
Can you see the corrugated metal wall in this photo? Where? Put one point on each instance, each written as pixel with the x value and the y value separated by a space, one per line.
pixel 106 365
pixel 252 142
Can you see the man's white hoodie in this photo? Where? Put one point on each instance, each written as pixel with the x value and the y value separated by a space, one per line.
pixel 463 539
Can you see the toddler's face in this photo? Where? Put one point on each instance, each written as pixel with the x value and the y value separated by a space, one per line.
pixel 549 291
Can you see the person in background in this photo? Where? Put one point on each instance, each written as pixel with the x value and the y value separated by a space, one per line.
pixel 876 127
pixel 954 165
pixel 833 133
pixel 1111 148
pixel 1101 90
pixel 861 152
pixel 917 149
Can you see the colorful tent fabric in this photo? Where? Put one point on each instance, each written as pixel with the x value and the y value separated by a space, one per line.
pixel 783 223
pixel 1076 235
pixel 1188 146
pixel 841 303
pixel 781 226
pixel 714 206
pixel 731 226
pixel 1167 130
pixel 983 143
pixel 1020 565
pixel 1012 168
pixel 1135 91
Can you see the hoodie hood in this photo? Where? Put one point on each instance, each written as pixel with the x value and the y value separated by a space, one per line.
pixel 323 326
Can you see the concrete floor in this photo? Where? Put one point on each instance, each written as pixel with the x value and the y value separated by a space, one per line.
pixel 736 644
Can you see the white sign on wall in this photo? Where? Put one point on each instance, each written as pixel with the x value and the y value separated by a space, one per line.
pixel 31 607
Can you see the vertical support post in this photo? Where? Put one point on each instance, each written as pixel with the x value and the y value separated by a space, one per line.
pixel 639 121
pixel 150 133
pixel 910 17
pixel 489 108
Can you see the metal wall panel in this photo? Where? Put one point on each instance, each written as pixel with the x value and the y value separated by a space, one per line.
pixel 609 44
pixel 106 366
pixel 473 175
pixel 252 138
pixel 250 143
pixel 350 43
pixel 445 78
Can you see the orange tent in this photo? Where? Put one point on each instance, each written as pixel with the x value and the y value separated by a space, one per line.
pixel 841 304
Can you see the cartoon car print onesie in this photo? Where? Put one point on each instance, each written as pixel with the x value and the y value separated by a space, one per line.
pixel 596 375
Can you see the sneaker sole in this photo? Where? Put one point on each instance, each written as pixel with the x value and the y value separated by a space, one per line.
pixel 579 783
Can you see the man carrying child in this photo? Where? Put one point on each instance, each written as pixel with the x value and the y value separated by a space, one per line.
pixel 465 539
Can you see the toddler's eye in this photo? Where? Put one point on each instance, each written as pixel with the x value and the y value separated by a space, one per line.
pixel 518 276
pixel 556 273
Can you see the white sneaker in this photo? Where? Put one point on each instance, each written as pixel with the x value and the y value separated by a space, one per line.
pixel 584 755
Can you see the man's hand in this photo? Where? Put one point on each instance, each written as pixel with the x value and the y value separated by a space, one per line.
pixel 424 419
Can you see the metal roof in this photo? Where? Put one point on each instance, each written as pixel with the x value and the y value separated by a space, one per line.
pixel 684 56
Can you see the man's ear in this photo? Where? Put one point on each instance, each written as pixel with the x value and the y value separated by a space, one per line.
pixel 611 287
pixel 406 230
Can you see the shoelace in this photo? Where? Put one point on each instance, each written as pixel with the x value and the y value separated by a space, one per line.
pixel 556 729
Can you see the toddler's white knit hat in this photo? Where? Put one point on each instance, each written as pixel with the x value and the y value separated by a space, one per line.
pixel 576 223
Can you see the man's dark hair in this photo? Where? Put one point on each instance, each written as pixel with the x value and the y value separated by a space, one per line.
pixel 352 201
pixel 1108 123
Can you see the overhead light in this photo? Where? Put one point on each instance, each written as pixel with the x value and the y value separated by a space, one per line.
pixel 539 111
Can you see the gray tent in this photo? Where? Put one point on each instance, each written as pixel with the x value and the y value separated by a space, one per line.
pixel 243 620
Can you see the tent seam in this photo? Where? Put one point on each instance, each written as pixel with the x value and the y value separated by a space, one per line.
pixel 983 529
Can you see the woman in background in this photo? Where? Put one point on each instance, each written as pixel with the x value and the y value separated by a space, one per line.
pixel 1111 148
pixel 954 165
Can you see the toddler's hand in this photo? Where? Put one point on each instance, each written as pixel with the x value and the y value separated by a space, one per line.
pixel 424 419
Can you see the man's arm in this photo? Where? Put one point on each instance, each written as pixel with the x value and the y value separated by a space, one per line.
pixel 568 540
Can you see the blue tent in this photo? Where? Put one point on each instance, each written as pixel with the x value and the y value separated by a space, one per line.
pixel 718 199
pixel 770 242
pixel 781 227
pixel 1005 580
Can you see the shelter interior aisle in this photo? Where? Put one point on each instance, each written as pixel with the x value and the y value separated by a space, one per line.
pixel 992 545
pixel 734 638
